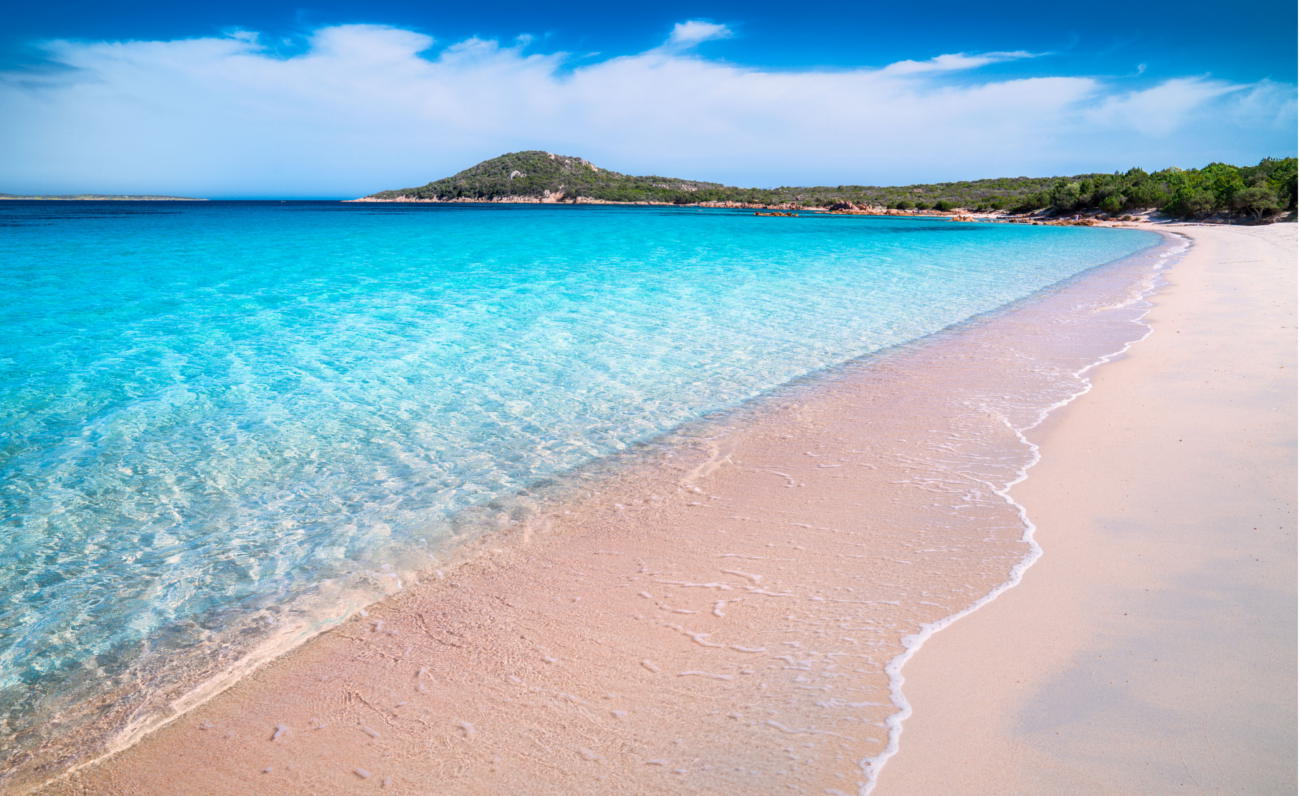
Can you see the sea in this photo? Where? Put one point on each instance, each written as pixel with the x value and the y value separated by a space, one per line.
pixel 228 425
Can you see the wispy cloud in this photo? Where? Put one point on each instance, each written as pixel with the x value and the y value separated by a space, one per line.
pixel 1162 109
pixel 953 62
pixel 365 107
pixel 696 31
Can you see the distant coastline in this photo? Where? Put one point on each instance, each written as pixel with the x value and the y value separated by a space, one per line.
pixel 98 197
pixel 1084 219
pixel 579 200
pixel 1217 192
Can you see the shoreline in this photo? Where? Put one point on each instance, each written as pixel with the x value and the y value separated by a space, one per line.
pixel 1153 648
pixel 703 468
pixel 1137 219
pixel 913 644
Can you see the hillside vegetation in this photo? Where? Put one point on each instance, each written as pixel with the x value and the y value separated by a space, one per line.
pixel 537 175
pixel 1258 191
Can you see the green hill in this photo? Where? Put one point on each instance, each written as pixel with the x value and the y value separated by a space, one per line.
pixel 534 176
pixel 541 175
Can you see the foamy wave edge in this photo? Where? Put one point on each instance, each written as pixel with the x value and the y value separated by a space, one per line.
pixel 1178 245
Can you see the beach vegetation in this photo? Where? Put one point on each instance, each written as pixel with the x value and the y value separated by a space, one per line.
pixel 1191 200
pixel 1112 203
pixel 1256 201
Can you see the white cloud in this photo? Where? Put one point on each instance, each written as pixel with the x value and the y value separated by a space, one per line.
pixel 695 31
pixel 1161 109
pixel 954 62
pixel 367 107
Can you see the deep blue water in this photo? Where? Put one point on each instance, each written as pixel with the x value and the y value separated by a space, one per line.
pixel 207 409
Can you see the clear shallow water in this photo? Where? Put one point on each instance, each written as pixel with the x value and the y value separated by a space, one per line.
pixel 208 410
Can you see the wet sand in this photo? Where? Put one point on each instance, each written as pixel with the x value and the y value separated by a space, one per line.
pixel 1152 649
pixel 718 615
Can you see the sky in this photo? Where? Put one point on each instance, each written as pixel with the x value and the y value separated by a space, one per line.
pixel 343 98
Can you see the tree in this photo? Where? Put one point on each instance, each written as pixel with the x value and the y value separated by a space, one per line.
pixel 1190 201
pixel 1224 182
pixel 1257 200
pixel 1282 179
pixel 1065 196
pixel 1150 192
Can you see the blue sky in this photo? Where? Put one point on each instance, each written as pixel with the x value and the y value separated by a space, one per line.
pixel 342 98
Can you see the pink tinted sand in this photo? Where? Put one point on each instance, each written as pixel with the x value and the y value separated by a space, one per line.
pixel 716 616
pixel 1152 649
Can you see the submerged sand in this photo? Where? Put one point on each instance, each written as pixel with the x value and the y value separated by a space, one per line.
pixel 719 614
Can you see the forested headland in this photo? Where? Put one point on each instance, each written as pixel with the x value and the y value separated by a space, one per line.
pixel 1262 191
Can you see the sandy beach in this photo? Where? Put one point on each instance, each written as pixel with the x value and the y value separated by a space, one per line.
pixel 1152 649
pixel 719 614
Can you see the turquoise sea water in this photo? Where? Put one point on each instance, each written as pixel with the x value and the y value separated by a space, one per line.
pixel 208 410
